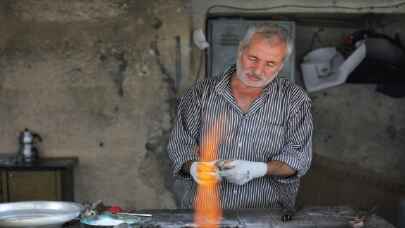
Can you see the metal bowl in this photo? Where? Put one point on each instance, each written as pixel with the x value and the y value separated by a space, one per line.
pixel 38 213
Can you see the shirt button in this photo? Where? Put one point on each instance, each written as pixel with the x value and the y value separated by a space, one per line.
pixel 235 191
pixel 239 144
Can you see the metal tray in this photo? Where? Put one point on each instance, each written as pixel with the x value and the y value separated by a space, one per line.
pixel 106 219
pixel 38 213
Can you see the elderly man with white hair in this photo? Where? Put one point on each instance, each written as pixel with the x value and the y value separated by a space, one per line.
pixel 265 131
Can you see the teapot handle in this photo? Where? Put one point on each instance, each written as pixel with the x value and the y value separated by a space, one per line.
pixel 37 136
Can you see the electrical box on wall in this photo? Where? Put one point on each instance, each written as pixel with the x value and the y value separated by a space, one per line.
pixel 224 34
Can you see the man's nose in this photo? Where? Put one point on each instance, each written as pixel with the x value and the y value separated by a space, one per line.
pixel 259 69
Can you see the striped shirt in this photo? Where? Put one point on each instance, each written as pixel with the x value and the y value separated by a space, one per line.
pixel 278 126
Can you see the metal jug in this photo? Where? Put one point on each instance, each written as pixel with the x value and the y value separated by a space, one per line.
pixel 29 146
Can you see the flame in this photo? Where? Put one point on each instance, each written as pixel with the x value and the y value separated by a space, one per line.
pixel 208 212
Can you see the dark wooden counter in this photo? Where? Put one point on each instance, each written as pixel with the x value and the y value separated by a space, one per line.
pixel 45 179
pixel 42 164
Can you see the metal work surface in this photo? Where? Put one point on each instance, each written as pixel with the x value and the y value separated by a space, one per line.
pixel 37 213
pixel 338 217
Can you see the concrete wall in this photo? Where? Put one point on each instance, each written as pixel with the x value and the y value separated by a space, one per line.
pixel 354 122
pixel 98 80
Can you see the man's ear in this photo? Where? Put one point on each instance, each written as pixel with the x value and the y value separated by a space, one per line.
pixel 279 69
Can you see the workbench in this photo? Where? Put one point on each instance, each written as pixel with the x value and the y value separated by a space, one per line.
pixel 308 217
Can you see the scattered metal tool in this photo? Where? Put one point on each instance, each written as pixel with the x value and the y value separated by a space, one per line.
pixel 287 215
pixel 92 209
pixel 133 214
pixel 361 219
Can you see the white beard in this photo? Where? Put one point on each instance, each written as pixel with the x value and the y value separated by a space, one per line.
pixel 260 83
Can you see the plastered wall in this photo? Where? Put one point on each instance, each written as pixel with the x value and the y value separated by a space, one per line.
pixel 98 80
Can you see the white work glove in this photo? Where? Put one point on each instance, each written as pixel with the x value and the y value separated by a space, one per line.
pixel 240 172
pixel 204 172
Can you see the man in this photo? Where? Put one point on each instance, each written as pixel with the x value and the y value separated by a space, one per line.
pixel 265 127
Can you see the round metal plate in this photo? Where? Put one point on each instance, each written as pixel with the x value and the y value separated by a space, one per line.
pixel 37 213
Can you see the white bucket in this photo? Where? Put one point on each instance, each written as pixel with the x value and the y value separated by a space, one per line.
pixel 326 67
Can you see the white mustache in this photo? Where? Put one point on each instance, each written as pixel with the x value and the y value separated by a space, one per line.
pixel 256 76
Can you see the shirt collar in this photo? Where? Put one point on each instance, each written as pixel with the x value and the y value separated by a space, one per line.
pixel 225 83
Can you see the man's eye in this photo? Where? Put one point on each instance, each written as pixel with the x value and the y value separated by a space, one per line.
pixel 252 59
pixel 271 65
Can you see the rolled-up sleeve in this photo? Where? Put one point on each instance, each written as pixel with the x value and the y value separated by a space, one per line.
pixel 183 142
pixel 297 151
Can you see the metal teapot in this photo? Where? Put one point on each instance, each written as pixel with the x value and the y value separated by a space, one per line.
pixel 29 146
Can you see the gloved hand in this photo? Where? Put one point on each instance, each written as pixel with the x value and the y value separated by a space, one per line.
pixel 240 171
pixel 205 172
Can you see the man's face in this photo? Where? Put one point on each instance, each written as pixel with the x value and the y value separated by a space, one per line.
pixel 260 62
